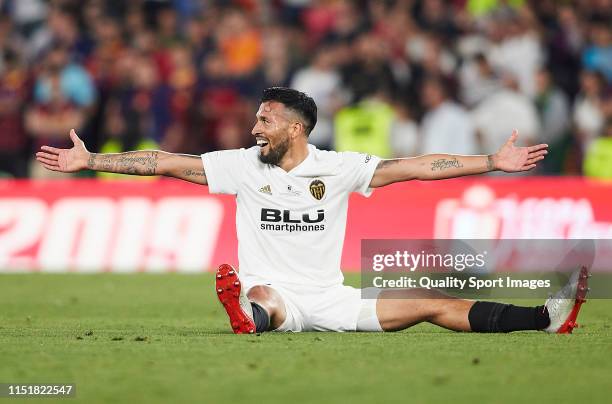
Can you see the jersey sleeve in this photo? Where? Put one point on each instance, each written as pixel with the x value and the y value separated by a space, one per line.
pixel 223 170
pixel 358 169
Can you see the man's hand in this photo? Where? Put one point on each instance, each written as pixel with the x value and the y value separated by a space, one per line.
pixel 509 158
pixel 141 162
pixel 64 160
pixel 512 159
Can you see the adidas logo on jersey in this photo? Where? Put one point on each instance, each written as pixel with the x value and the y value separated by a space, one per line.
pixel 266 190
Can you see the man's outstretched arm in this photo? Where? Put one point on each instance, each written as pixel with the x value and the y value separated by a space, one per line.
pixel 509 158
pixel 146 162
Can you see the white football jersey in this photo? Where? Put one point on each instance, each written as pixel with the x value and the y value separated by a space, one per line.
pixel 290 225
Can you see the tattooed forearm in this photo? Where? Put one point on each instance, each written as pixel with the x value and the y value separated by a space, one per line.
pixel 91 161
pixel 430 167
pixel 138 162
pixel 443 164
pixel 490 165
pixel 194 173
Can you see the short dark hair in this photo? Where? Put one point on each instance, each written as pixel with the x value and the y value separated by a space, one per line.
pixel 296 101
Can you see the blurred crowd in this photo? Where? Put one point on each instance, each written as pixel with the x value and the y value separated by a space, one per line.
pixel 390 77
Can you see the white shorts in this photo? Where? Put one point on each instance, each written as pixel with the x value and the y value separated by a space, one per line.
pixel 338 308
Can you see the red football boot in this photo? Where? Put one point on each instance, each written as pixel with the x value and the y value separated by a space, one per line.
pixel 234 300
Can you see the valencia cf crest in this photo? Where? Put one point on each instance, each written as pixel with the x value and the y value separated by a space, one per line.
pixel 317 189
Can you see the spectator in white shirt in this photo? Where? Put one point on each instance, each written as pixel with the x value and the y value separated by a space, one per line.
pixel 477 80
pixel 322 82
pixel 446 126
pixel 404 131
pixel 588 115
pixel 497 115
pixel 554 112
pixel 519 52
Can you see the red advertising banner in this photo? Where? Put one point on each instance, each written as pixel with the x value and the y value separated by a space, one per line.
pixel 169 225
pixel 121 226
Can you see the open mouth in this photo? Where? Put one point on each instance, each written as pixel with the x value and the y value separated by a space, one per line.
pixel 262 142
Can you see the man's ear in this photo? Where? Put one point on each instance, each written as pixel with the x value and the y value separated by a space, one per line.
pixel 296 128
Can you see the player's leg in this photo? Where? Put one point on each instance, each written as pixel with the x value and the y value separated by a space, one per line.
pixel 345 309
pixel 268 307
pixel 400 309
pixel 261 309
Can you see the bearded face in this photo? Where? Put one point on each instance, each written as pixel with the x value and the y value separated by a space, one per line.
pixel 272 132
pixel 269 154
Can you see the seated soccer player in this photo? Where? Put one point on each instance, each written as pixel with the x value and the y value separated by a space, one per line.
pixel 291 215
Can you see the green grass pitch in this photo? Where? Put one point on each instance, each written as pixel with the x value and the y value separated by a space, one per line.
pixel 164 338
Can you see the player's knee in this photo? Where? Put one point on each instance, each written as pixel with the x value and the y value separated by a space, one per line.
pixel 267 298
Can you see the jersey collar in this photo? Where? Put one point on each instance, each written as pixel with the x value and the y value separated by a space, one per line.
pixel 317 164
